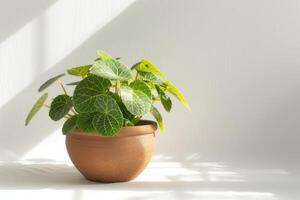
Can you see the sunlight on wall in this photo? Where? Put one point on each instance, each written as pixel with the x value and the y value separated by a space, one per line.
pixel 50 37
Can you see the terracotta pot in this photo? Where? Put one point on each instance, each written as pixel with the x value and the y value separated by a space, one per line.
pixel 112 159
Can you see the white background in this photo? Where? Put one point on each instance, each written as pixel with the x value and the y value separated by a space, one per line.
pixel 236 61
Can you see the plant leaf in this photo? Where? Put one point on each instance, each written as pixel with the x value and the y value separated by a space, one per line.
pixel 36 107
pixel 146 66
pixel 60 106
pixel 102 55
pixel 136 101
pixel 148 76
pixel 79 71
pixel 165 100
pixel 87 91
pixel 111 69
pixel 176 92
pixel 84 122
pixel 69 125
pixel 126 113
pixel 50 82
pixel 108 119
pixel 73 83
pixel 141 86
pixel 156 114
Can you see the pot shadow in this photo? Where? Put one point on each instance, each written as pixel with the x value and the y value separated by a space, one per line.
pixel 158 176
pixel 164 179
pixel 16 175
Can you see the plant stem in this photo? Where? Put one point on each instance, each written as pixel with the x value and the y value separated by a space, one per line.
pixel 137 76
pixel 62 86
pixel 155 99
pixel 46 105
pixel 117 86
pixel 136 120
pixel 74 111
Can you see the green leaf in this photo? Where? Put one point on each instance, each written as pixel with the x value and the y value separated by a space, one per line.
pixel 141 86
pixel 50 82
pixel 126 113
pixel 84 122
pixel 60 106
pixel 165 100
pixel 69 125
pixel 111 69
pixel 86 92
pixel 108 119
pixel 103 55
pixel 148 76
pixel 73 83
pixel 136 101
pixel 156 114
pixel 79 71
pixel 36 107
pixel 146 66
pixel 176 92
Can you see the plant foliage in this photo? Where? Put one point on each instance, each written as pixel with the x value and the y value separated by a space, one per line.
pixel 109 96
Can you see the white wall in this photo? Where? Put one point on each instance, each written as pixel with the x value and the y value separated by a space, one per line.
pixel 236 61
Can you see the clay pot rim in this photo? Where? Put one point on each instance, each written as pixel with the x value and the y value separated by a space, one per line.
pixel 144 127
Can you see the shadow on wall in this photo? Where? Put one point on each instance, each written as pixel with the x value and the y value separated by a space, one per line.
pixel 14 14
pixel 122 36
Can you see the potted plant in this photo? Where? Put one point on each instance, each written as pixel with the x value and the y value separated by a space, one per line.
pixel 106 138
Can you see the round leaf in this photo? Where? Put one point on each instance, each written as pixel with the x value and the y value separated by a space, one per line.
pixel 50 82
pixel 108 119
pixel 126 113
pixel 141 86
pixel 136 101
pixel 84 122
pixel 69 125
pixel 36 107
pixel 111 69
pixel 60 106
pixel 79 71
pixel 87 91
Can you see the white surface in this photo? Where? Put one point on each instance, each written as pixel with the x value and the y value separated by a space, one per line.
pixel 34 180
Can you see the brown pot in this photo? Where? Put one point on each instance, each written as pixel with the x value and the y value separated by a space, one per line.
pixel 112 159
